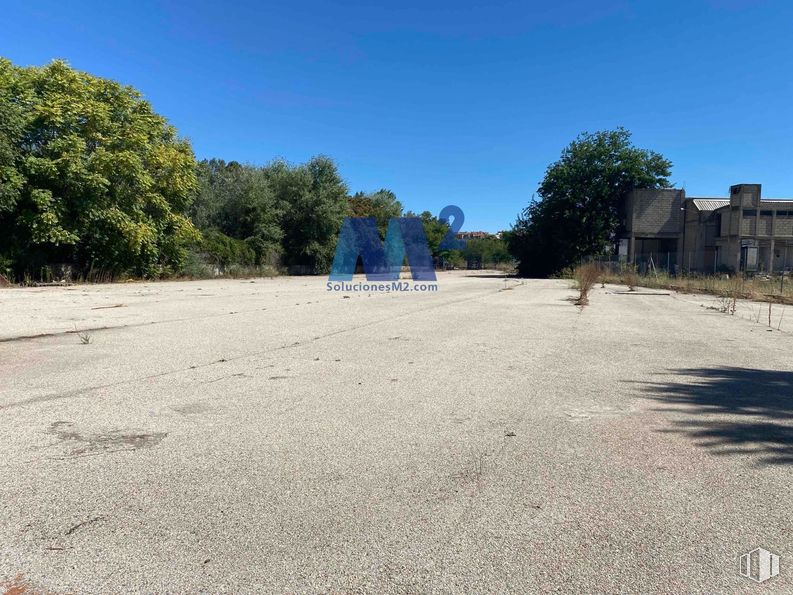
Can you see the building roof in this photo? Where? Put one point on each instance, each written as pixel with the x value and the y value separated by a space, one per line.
pixel 473 234
pixel 710 204
pixel 785 202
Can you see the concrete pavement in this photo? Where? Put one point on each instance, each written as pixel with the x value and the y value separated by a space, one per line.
pixel 271 436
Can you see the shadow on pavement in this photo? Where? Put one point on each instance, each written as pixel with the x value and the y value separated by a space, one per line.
pixel 733 411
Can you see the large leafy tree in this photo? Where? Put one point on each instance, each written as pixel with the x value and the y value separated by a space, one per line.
pixel 580 200
pixel 313 198
pixel 382 205
pixel 238 201
pixel 13 99
pixel 89 175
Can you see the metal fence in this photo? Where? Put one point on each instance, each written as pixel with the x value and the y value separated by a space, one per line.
pixel 643 264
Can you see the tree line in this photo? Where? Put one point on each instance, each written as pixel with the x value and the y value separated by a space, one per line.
pixel 286 216
pixel 92 178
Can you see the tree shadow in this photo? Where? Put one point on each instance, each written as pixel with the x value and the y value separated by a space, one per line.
pixel 736 411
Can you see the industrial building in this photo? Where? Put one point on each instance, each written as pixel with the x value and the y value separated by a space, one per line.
pixel 664 228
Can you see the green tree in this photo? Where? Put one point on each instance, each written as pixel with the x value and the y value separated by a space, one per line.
pixel 89 175
pixel 581 197
pixel 13 98
pixel 313 197
pixel 486 251
pixel 239 202
pixel 382 205
pixel 434 230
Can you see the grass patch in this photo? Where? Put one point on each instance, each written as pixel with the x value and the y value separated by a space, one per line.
pixel 729 289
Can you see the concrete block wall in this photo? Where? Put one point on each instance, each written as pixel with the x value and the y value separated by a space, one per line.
pixel 784 226
pixel 765 226
pixel 655 212
pixel 725 224
pixel 748 226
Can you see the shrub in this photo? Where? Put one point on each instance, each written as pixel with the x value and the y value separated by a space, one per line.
pixel 585 275
pixel 224 251
pixel 630 277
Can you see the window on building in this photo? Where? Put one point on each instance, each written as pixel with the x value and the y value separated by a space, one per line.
pixel 766 213
pixel 749 213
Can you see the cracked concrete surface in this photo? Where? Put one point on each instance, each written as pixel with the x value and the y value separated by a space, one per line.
pixel 269 435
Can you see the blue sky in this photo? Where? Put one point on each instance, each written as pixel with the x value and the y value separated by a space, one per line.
pixel 452 102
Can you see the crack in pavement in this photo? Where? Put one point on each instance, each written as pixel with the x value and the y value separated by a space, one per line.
pixel 88 389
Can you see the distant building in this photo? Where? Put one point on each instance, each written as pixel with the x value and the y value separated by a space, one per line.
pixel 472 235
pixel 743 232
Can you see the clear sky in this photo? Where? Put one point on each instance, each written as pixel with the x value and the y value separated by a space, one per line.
pixel 452 102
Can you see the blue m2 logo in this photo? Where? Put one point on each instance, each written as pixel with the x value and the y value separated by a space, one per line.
pixel 383 261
